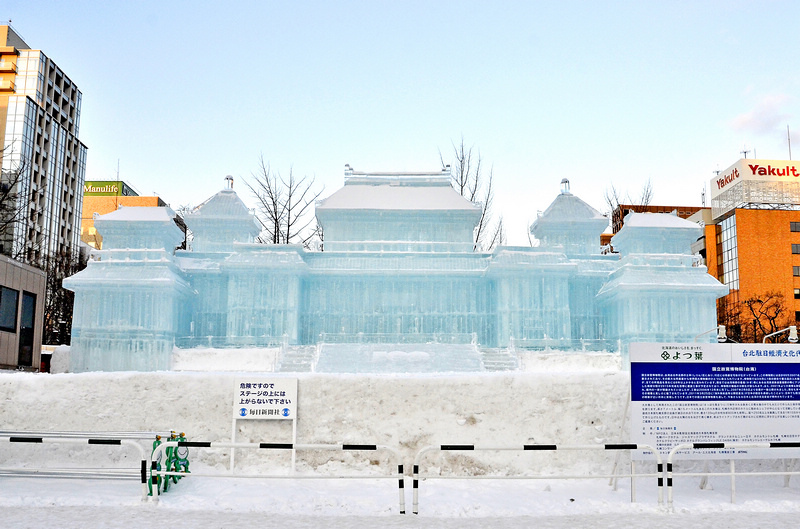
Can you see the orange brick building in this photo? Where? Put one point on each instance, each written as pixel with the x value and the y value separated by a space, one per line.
pixel 752 245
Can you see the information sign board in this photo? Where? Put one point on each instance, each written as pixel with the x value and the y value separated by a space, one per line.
pixel 260 397
pixel 734 393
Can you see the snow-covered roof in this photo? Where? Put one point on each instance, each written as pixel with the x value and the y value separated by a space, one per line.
pixel 140 214
pixel 224 204
pixel 646 278
pixel 657 220
pixel 567 208
pixel 397 193
pixel 125 275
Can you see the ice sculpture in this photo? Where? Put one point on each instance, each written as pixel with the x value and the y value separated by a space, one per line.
pixel 130 301
pixel 398 269
pixel 658 292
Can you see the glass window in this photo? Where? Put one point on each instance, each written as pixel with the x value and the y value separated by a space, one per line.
pixel 797 293
pixel 796 248
pixel 8 309
pixel 794 226
pixel 27 321
pixel 796 271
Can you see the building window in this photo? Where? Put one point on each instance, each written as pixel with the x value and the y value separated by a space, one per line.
pixel 727 253
pixel 796 248
pixel 794 226
pixel 797 315
pixel 8 309
pixel 796 271
pixel 797 293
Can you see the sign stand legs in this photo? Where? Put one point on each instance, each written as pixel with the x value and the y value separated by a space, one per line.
pixel 233 440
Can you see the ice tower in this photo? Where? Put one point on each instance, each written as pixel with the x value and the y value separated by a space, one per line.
pixel 130 300
pixel 398 283
pixel 658 292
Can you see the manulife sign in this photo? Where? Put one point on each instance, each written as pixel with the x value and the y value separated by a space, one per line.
pixel 108 188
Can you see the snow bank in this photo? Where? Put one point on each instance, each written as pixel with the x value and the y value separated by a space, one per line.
pixel 402 412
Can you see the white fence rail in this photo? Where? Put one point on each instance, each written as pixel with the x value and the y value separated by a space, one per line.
pixel 279 446
pixel 732 473
pixel 88 441
pixel 665 475
pixel 536 447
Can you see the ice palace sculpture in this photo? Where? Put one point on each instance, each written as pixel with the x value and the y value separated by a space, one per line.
pixel 398 286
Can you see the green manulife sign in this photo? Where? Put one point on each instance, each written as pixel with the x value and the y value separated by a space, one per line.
pixel 107 188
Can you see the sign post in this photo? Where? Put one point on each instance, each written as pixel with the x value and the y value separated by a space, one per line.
pixel 723 393
pixel 265 398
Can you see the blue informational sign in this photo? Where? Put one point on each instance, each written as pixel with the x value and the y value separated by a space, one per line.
pixel 687 382
pixel 688 393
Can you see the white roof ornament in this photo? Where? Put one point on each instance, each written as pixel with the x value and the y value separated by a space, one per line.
pixel 564 186
pixel 229 181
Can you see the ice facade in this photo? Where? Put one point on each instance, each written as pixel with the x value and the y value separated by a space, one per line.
pixel 398 268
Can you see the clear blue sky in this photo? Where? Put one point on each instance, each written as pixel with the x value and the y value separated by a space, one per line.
pixel 184 93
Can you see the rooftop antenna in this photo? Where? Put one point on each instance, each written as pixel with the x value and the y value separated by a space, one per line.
pixel 744 152
pixel 703 195
pixel 229 181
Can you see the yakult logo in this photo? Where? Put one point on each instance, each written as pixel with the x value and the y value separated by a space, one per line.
pixel 727 179
pixel 757 170
pixel 760 170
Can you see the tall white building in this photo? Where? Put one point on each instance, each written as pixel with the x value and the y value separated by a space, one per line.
pixel 40 110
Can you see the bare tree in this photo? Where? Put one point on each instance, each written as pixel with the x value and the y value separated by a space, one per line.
pixel 729 314
pixel 472 183
pixel 180 220
pixel 58 303
pixel 614 198
pixel 769 314
pixel 12 207
pixel 285 205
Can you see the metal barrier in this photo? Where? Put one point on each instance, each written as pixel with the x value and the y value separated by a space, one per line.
pixel 538 447
pixel 89 441
pixel 278 446
pixel 732 473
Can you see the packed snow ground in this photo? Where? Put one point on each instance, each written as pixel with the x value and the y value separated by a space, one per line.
pixel 561 399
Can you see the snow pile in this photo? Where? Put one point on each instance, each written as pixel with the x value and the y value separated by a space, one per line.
pixel 562 399
pixel 406 413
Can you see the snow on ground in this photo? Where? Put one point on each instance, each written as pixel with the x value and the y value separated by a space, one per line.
pixel 561 399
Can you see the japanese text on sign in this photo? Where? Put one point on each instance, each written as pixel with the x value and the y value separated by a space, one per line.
pixel 259 398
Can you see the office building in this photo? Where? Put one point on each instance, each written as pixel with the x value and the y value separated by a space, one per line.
pixel 40 109
pixel 752 245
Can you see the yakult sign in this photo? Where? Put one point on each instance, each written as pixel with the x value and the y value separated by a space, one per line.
pixel 760 170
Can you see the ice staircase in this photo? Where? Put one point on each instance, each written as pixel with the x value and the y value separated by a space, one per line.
pixel 298 359
pixel 398 358
pixel 499 360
